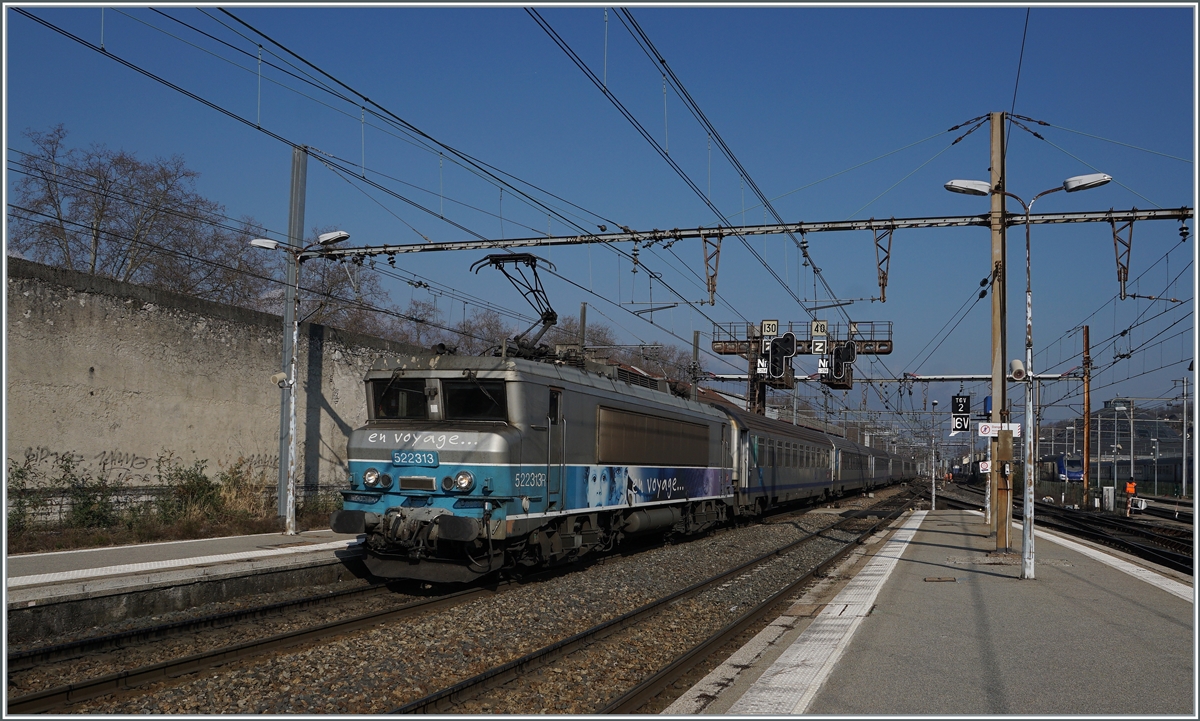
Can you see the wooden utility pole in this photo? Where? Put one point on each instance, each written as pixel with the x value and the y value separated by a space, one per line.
pixel 1001 486
pixel 1087 414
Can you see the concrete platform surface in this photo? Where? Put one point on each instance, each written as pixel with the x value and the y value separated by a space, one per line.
pixel 41 577
pixel 932 621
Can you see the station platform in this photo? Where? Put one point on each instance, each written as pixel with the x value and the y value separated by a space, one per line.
pixel 929 619
pixel 34 578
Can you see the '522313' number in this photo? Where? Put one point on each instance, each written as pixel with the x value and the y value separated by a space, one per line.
pixel 427 459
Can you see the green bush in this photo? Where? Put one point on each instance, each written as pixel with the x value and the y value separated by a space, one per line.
pixel 21 500
pixel 92 500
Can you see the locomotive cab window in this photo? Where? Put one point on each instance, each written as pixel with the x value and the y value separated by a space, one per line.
pixel 397 398
pixel 475 400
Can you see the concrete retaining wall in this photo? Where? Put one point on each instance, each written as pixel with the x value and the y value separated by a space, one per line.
pixel 117 374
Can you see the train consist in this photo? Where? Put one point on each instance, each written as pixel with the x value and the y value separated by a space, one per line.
pixel 468 466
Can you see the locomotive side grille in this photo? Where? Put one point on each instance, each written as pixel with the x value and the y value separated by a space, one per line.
pixel 417 483
pixel 637 379
pixel 626 437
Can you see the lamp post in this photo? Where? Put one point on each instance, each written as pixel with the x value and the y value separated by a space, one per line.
pixel 980 187
pixel 289 382
pixel 1131 437
pixel 1115 447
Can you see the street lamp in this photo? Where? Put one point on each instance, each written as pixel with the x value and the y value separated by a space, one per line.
pixel 288 383
pixel 980 187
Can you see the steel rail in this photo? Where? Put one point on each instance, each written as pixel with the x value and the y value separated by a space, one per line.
pixel 441 701
pixel 123 680
pixel 1184 516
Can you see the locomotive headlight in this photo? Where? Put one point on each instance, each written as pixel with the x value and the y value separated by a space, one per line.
pixel 370 478
pixel 385 481
pixel 464 481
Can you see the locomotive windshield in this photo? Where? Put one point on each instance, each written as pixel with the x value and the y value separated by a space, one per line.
pixel 475 400
pixel 1074 464
pixel 396 398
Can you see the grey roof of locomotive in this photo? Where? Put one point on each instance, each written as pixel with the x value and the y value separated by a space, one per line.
pixel 491 366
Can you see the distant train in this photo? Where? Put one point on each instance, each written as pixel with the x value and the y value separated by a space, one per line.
pixel 469 466
pixel 1061 467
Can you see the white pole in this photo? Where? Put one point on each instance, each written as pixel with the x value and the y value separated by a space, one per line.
pixel 1183 493
pixel 291 470
pixel 933 466
pixel 1027 522
pixel 1131 440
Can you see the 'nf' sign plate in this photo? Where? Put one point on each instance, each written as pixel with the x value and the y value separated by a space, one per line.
pixel 992 430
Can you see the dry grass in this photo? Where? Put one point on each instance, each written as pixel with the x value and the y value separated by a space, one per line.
pixel 238 501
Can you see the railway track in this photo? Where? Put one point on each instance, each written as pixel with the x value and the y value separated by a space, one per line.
pixel 1168 547
pixel 472 695
pixel 1183 515
pixel 56 697
pixel 414 599
pixel 123 684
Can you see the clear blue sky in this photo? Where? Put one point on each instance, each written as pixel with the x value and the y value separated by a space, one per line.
pixel 798 93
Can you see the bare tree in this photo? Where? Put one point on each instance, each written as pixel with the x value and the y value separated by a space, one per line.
pixel 105 212
pixel 481 333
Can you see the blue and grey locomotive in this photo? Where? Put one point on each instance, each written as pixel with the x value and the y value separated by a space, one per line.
pixel 470 465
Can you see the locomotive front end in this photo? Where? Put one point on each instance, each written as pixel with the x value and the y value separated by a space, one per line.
pixel 428 472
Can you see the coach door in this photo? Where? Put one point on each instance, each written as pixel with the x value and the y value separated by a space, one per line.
pixel 556 450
